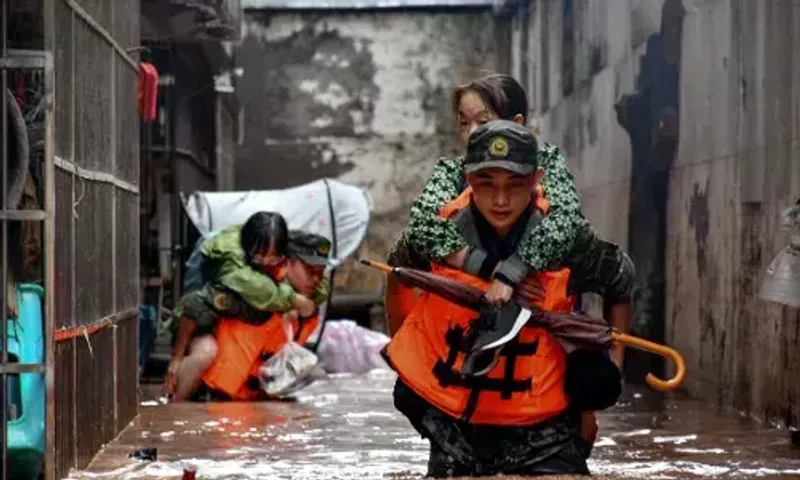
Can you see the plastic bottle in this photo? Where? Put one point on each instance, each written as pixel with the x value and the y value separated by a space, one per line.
pixel 189 472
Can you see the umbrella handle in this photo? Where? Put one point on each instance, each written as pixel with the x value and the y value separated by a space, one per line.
pixel 664 351
pixel 377 265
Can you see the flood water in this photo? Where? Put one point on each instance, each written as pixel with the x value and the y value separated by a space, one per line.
pixel 345 427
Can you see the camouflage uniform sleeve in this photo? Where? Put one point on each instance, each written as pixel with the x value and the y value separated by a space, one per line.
pixel 402 255
pixel 550 242
pixel 601 267
pixel 196 305
pixel 426 233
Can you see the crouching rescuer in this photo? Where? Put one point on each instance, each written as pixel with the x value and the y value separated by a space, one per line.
pixel 244 346
pixel 246 336
pixel 492 394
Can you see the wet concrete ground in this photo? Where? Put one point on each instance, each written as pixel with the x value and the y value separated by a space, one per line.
pixel 346 428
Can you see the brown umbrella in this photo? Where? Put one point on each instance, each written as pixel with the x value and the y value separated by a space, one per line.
pixel 572 331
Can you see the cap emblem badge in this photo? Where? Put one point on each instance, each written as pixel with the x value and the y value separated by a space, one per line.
pixel 498 148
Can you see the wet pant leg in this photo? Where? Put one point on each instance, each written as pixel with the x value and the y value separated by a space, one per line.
pixel 463 449
pixel 553 447
pixel 443 465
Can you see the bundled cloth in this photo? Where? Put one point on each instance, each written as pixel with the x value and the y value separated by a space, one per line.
pixel 289 370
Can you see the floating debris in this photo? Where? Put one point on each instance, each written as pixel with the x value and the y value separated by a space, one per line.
pixel 147 454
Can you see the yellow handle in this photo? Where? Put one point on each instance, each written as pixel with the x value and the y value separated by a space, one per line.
pixel 377 265
pixel 648 346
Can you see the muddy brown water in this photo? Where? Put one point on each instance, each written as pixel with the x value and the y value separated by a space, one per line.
pixel 345 427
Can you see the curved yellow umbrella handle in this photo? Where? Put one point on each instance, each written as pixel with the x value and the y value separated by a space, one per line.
pixel 377 265
pixel 648 346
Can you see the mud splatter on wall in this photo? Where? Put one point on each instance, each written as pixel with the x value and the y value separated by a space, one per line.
pixel 363 97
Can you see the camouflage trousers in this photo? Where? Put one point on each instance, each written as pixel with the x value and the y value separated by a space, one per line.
pixel 209 302
pixel 462 449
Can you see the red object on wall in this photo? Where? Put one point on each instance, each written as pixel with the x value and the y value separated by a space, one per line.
pixel 147 91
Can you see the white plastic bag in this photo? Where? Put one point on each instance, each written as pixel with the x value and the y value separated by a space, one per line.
pixel 290 369
pixel 347 347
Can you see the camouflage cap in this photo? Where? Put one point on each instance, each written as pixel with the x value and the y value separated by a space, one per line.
pixel 310 248
pixel 502 144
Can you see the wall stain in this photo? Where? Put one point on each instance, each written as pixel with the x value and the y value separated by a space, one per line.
pixel 315 82
pixel 598 59
pixel 650 115
pixel 591 125
pixel 699 218
pixel 432 97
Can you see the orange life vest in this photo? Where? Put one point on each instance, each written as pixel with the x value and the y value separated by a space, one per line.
pixel 524 388
pixel 243 347
pixel 399 300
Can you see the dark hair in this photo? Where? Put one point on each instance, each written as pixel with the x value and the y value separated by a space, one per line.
pixel 261 229
pixel 500 92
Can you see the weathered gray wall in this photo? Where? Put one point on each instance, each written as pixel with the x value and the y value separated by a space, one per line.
pixel 583 124
pixel 227 139
pixel 736 166
pixel 363 97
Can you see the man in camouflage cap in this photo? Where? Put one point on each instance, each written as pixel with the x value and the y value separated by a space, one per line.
pixel 306 260
pixel 538 428
pixel 311 248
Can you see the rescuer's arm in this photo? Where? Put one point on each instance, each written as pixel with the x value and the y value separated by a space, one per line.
pixel 186 329
pixel 603 268
pixel 619 317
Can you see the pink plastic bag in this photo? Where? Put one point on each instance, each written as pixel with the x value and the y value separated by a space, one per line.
pixel 346 347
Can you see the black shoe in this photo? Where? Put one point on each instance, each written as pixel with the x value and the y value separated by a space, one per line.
pixel 496 326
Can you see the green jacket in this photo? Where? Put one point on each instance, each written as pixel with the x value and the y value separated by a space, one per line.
pixel 227 265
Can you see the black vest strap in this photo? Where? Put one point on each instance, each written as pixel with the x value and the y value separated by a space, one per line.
pixel 458 342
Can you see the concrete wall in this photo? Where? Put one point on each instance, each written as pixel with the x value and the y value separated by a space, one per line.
pixel 227 129
pixel 363 97
pixel 737 168
pixel 705 90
